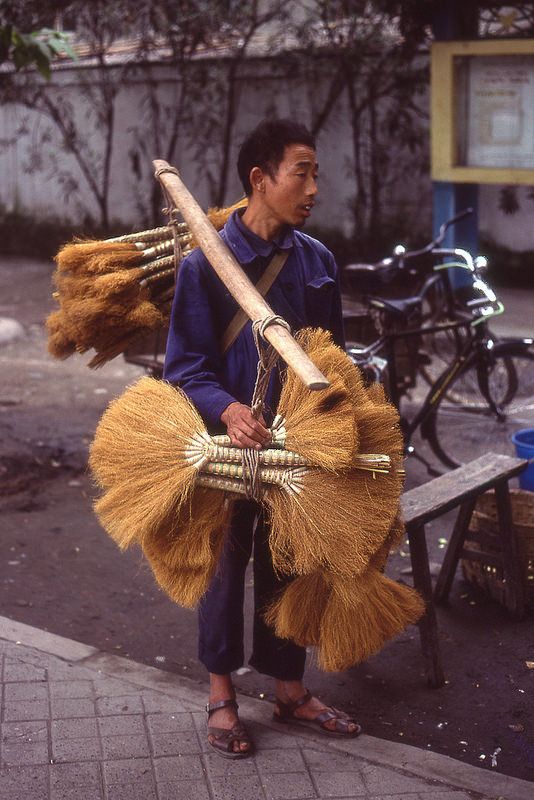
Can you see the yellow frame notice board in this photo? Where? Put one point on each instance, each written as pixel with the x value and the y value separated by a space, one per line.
pixel 482 111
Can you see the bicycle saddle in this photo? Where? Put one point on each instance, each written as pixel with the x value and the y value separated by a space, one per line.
pixel 401 308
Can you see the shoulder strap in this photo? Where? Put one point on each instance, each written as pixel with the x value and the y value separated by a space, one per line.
pixel 267 279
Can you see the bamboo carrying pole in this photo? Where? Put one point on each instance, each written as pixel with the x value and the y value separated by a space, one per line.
pixel 233 277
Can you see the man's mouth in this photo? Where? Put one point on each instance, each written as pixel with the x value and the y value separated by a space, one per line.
pixel 308 207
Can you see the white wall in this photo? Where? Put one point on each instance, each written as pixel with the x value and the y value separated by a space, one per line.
pixel 36 169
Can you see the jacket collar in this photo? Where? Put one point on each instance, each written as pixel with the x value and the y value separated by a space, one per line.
pixel 247 246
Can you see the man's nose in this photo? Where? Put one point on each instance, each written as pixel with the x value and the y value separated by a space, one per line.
pixel 312 187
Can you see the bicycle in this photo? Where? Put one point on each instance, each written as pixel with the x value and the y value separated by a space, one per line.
pixel 485 390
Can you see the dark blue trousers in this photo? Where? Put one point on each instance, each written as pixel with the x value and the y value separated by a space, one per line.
pixel 221 622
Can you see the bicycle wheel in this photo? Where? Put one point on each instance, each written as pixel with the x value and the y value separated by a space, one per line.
pixel 464 426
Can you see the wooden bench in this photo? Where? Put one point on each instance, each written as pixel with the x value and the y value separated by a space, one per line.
pixel 461 487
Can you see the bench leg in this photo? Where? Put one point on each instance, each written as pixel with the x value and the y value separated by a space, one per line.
pixel 515 597
pixel 428 627
pixel 453 552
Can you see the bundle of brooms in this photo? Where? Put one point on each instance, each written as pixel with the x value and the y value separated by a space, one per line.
pixel 114 292
pixel 330 484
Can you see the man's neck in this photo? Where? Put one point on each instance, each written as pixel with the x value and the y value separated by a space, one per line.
pixel 260 221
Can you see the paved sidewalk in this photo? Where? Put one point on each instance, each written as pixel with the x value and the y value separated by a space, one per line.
pixel 81 724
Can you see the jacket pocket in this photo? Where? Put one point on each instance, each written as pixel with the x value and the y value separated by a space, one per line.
pixel 319 296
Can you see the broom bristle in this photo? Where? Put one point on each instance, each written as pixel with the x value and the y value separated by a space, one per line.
pixel 59 344
pixel 220 216
pixel 74 256
pixel 335 524
pixel 361 616
pixel 321 348
pixel 297 612
pixel 135 457
pixel 392 541
pixel 184 551
pixel 116 282
pixel 319 425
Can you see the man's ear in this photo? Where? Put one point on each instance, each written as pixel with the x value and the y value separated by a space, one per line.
pixel 257 179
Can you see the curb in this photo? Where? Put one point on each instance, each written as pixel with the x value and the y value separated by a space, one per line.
pixel 412 760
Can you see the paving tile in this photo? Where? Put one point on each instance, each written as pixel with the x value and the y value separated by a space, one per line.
pixel 26 710
pixel 267 738
pixel 339 784
pixel 63 707
pixel 326 760
pixel 155 701
pixel 77 750
pixel 82 779
pixel 123 704
pixel 19 671
pixel 92 793
pixel 30 783
pixel 74 776
pixel 380 780
pixel 109 687
pixel 130 746
pixel 141 790
pixel 121 725
pixel 237 788
pixel 409 796
pixel 71 689
pixel 440 794
pixel 18 732
pixel 218 766
pixel 127 771
pixel 74 728
pixel 288 786
pixel 183 790
pixel 178 768
pixel 278 760
pixel 24 754
pixel 29 690
pixel 168 723
pixel 178 743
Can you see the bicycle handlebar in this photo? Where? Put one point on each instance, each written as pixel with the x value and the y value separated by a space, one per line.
pixel 439 238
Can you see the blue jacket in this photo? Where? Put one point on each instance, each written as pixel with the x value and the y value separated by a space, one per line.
pixel 306 292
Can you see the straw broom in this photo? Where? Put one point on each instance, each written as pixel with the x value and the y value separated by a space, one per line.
pixel 167 443
pixel 347 619
pixel 361 615
pixel 337 525
pixel 184 550
pixel 114 292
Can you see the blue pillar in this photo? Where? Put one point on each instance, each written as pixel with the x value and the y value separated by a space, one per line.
pixel 453 20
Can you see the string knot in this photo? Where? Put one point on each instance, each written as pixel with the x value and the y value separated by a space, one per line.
pixel 250 460
pixel 267 358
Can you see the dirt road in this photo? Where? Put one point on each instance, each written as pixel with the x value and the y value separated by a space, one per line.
pixel 60 572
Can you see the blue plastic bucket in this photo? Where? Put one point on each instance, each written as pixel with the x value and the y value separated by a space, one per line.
pixel 524 447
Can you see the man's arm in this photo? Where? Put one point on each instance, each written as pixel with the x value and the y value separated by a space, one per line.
pixel 193 358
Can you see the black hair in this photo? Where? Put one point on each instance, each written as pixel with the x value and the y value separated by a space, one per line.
pixel 264 147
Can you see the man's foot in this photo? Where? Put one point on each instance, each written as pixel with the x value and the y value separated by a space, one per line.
pixel 293 701
pixel 226 734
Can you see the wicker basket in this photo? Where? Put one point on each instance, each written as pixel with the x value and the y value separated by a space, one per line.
pixel 483 537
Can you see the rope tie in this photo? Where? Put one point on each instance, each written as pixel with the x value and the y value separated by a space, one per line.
pixel 171 211
pixel 267 359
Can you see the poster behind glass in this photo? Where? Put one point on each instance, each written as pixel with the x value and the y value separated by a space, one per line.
pixel 495 111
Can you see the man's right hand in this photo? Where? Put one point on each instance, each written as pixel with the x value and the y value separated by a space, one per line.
pixel 243 429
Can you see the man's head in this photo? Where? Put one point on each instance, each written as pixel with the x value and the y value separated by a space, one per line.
pixel 278 168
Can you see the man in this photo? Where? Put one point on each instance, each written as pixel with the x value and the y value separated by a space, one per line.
pixel 278 168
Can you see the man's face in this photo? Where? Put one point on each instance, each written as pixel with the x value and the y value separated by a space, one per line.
pixel 290 195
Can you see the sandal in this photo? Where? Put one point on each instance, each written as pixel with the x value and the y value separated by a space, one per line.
pixel 225 738
pixel 285 713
